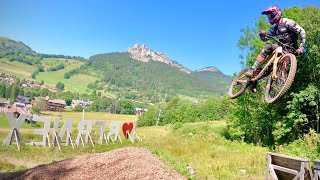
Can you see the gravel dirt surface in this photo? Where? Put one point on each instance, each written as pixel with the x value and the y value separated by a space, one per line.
pixel 124 163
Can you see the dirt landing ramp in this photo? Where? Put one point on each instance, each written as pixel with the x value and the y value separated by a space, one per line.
pixel 124 163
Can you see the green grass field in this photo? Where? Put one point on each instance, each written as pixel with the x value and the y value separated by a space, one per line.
pixel 77 83
pixel 200 145
pixel 50 62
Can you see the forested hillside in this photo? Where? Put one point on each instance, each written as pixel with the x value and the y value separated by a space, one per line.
pixel 18 51
pixel 154 77
pixel 217 78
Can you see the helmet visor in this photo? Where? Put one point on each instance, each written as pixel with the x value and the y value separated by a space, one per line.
pixel 270 16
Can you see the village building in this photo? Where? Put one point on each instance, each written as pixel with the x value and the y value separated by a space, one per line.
pixel 56 105
pixel 3 107
pixel 2 103
pixel 18 105
pixel 22 99
pixel 7 79
pixel 139 111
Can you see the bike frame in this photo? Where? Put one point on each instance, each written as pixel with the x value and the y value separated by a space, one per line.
pixel 272 58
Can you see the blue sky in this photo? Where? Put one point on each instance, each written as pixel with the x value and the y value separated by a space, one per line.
pixel 196 34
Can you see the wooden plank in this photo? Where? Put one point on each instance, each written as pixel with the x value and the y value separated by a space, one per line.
pixel 283 169
pixel 273 173
pixel 289 157
pixel 268 165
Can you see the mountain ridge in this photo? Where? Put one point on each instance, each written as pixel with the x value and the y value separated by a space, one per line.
pixel 139 52
pixel 153 73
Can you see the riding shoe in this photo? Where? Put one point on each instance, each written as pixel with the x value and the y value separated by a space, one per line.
pixel 249 73
pixel 253 86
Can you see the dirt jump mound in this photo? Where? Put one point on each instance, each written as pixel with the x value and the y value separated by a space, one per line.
pixel 124 163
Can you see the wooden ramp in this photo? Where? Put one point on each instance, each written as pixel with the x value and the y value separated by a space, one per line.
pixel 281 167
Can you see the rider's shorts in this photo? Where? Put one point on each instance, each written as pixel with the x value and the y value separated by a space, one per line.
pixel 268 49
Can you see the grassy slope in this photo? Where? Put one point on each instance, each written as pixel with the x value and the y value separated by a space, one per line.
pixel 18 69
pixel 77 83
pixel 200 145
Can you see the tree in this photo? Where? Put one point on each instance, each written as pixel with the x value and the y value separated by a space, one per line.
pixel 39 105
pixel 33 75
pixel 2 90
pixel 78 108
pixel 148 118
pixel 60 86
pixel 126 107
pixel 94 93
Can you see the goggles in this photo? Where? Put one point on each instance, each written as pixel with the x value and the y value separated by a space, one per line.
pixel 270 15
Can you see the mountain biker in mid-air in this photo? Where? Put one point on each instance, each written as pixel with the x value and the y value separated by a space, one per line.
pixel 286 30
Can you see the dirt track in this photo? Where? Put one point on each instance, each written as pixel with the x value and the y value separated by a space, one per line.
pixel 125 163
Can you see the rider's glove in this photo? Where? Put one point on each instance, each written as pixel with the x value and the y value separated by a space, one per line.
pixel 299 50
pixel 262 33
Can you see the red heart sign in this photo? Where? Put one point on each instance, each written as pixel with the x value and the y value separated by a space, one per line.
pixel 127 127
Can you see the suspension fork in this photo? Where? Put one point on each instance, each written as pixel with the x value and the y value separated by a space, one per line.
pixel 275 68
pixel 278 55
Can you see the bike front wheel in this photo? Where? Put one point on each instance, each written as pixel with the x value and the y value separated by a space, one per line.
pixel 239 84
pixel 277 87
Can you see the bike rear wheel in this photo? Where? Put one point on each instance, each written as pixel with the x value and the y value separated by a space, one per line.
pixel 239 84
pixel 286 71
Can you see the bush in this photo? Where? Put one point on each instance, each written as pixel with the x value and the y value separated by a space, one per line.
pixel 60 86
pixel 78 108
pixel 56 68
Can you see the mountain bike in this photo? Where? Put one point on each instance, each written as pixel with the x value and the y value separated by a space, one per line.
pixel 280 64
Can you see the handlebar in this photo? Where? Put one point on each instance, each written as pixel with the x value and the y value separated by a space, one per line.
pixel 276 39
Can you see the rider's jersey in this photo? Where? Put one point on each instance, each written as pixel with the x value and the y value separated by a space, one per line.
pixel 287 32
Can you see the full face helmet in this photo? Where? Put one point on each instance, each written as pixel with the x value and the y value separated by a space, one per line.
pixel 273 13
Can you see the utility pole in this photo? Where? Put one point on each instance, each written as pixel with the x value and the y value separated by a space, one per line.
pixel 84 106
pixel 158 119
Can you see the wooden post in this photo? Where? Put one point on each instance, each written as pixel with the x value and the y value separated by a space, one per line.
pixel 56 140
pixel 47 139
pixel 118 137
pixel 91 139
pixel 316 169
pixel 105 138
pixel 70 139
pixel 17 139
pixel 128 135
pixel 134 133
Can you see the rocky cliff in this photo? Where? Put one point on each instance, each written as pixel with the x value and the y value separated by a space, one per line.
pixel 144 54
pixel 210 69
